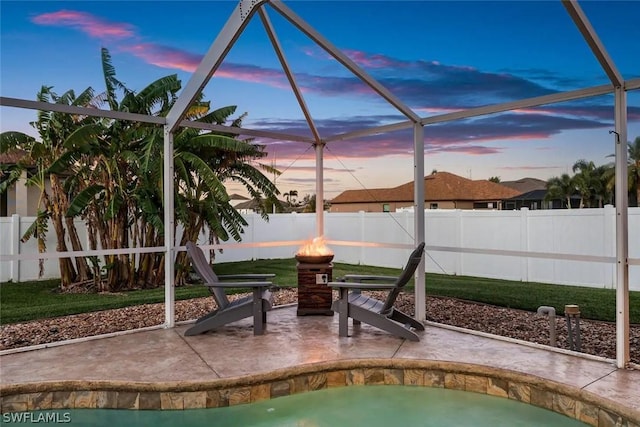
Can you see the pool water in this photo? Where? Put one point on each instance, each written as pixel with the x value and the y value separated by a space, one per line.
pixel 369 406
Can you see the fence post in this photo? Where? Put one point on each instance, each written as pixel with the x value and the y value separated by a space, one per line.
pixel 252 226
pixel 408 237
pixel 362 236
pixel 459 242
pixel 15 248
pixel 409 220
pixel 524 243
pixel 609 242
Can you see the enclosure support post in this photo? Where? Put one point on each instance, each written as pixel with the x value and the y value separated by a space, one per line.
pixel 169 254
pixel 419 224
pixel 15 248
pixel 319 146
pixel 622 231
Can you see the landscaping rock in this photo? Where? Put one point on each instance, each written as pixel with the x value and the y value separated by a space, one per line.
pixel 598 338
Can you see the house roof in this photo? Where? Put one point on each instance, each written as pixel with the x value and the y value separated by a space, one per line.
pixel 530 195
pixel 538 195
pixel 526 185
pixel 13 156
pixel 236 196
pixel 250 204
pixel 438 186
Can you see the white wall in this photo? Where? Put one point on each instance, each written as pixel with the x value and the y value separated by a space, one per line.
pixel 574 232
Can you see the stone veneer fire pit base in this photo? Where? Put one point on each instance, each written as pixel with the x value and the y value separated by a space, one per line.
pixel 314 297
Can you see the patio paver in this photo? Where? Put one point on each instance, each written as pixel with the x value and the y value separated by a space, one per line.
pixel 165 355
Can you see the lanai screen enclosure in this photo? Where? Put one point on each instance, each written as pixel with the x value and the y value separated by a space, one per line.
pixel 247 10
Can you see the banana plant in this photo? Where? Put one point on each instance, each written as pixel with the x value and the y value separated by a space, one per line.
pixel 109 174
pixel 37 154
pixel 119 189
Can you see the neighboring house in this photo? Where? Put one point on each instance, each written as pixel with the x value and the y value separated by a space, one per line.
pixel 18 199
pixel 443 190
pixel 533 193
pixel 236 199
pixel 253 206
pixel 534 199
pixel 526 185
pixel 250 206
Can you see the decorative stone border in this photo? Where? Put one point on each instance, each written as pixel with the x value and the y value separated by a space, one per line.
pixel 567 400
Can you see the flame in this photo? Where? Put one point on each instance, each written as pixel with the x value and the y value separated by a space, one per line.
pixel 315 247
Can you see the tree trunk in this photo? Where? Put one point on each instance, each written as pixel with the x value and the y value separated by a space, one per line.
pixel 93 233
pixel 67 270
pixel 158 277
pixel 82 266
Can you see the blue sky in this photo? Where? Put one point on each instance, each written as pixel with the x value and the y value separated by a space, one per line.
pixel 435 56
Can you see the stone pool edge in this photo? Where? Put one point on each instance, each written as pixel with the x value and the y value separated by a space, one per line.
pixel 568 400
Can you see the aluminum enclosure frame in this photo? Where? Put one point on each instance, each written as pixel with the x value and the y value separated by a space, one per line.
pixel 223 43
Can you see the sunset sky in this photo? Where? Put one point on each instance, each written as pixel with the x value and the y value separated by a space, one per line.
pixel 435 56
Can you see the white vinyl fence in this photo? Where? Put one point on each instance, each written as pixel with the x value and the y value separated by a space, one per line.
pixel 569 247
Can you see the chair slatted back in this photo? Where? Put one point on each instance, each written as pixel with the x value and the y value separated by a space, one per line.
pixel 403 279
pixel 206 273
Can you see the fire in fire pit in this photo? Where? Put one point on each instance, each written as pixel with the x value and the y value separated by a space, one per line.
pixel 314 272
pixel 314 252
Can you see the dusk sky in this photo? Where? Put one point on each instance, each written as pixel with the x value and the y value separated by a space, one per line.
pixel 435 56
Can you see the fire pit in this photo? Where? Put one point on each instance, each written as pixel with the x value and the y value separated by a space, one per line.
pixel 314 259
pixel 314 272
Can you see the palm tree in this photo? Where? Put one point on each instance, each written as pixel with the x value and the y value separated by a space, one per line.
pixel 562 187
pixel 203 163
pixel 290 195
pixel 53 130
pixel 112 173
pixel 588 182
pixel 106 160
pixel 633 168
pixel 604 174
pixel 120 181
pixel 311 204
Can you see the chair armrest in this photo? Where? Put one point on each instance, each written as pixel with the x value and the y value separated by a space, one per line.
pixel 239 284
pixel 361 278
pixel 247 276
pixel 356 285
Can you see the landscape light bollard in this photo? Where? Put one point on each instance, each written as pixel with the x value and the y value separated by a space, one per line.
pixel 551 312
pixel 572 314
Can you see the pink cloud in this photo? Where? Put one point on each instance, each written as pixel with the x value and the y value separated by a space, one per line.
pixel 436 110
pixel 472 150
pixel 87 23
pixel 371 60
pixel 539 135
pixel 251 73
pixel 168 57
pixel 164 57
pixel 316 52
pixel 306 169
pixel 365 59
pixel 519 168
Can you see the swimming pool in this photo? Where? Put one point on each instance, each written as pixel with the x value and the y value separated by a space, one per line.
pixel 369 406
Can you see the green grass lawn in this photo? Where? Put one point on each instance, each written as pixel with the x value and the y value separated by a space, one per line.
pixel 36 300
